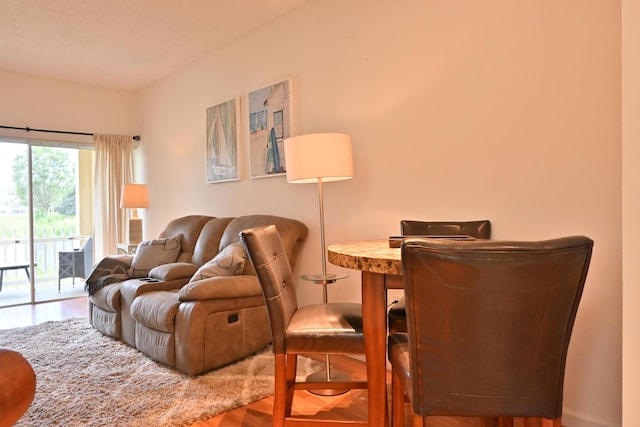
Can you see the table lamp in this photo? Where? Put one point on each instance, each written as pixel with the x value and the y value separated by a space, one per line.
pixel 135 196
pixel 319 158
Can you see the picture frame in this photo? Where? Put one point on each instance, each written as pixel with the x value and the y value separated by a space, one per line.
pixel 270 117
pixel 223 142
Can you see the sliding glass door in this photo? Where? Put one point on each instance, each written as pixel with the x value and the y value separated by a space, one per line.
pixel 45 221
pixel 15 250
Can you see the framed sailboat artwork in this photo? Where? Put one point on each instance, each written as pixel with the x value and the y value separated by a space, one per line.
pixel 270 118
pixel 223 141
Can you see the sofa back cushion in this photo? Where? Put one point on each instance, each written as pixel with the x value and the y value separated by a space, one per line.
pixel 209 241
pixel 292 232
pixel 190 227
pixel 152 253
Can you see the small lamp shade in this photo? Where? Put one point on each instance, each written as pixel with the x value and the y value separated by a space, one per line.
pixel 326 156
pixel 134 196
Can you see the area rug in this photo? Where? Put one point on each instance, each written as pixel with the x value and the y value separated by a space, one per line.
pixel 87 379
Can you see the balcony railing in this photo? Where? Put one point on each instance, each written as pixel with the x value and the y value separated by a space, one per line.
pixel 16 251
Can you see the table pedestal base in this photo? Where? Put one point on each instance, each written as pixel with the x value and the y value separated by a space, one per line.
pixel 321 376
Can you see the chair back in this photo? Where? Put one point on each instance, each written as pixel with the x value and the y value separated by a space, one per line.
pixel 478 229
pixel 489 323
pixel 87 259
pixel 267 254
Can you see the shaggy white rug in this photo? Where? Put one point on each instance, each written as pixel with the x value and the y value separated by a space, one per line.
pixel 87 379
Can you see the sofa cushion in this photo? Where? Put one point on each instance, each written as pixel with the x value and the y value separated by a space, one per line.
pixel 107 297
pixel 229 262
pixel 156 310
pixel 208 244
pixel 190 227
pixel 152 253
pixel 292 233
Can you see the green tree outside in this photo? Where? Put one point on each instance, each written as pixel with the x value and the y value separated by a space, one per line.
pixel 53 177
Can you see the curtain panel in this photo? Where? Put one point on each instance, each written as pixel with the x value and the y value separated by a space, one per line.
pixel 114 168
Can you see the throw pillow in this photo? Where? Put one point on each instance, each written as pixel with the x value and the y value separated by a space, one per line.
pixel 229 262
pixel 152 253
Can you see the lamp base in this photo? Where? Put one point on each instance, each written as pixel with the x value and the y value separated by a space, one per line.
pixel 321 376
pixel 135 230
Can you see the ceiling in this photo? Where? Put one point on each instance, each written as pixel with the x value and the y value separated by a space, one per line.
pixel 123 44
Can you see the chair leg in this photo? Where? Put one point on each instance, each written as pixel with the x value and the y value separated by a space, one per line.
pixel 280 390
pixel 419 421
pixel 542 422
pixel 397 401
pixel 505 421
pixel 546 422
pixel 292 364
pixel 491 422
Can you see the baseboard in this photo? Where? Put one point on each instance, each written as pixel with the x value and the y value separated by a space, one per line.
pixel 576 419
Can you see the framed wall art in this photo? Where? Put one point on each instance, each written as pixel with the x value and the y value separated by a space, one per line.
pixel 270 117
pixel 223 142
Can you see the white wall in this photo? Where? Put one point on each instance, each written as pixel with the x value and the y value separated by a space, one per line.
pixel 631 210
pixel 42 103
pixel 458 110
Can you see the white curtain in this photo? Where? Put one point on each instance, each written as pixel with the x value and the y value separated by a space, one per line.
pixel 114 168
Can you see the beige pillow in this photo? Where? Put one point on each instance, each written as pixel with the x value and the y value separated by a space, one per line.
pixel 229 262
pixel 152 253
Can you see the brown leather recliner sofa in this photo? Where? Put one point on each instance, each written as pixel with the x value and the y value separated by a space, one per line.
pixel 192 325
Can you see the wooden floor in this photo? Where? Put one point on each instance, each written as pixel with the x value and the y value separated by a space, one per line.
pixel 352 404
pixel 26 315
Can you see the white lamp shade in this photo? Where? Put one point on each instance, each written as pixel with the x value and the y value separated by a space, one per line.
pixel 326 156
pixel 134 196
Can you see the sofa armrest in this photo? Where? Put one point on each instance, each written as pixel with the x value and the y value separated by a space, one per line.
pixel 110 269
pixel 136 287
pixel 221 287
pixel 173 271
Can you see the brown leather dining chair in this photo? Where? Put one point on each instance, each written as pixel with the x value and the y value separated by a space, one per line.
pixel 489 324
pixel 333 328
pixel 480 229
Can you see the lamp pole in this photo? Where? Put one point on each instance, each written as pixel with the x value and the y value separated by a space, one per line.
pixel 322 243
pixel 319 158
pixel 324 280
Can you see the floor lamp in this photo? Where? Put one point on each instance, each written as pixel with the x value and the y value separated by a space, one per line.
pixel 319 158
pixel 135 196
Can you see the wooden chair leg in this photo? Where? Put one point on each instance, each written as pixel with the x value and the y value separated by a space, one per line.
pixel 419 421
pixel 397 401
pixel 490 422
pixel 546 422
pixel 542 422
pixel 505 421
pixel 292 364
pixel 280 390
